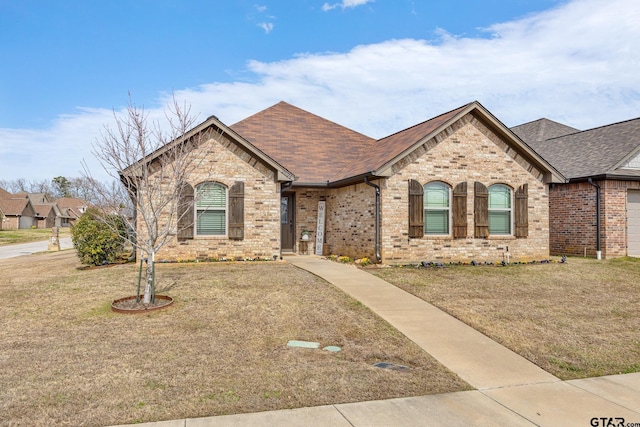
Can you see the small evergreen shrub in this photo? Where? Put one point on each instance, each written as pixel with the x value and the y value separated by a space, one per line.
pixel 98 239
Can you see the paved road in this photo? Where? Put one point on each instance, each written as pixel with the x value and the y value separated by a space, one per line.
pixel 10 251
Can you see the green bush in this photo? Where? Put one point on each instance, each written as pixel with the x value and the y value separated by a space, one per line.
pixel 98 239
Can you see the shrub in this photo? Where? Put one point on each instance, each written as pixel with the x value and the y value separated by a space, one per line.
pixel 98 239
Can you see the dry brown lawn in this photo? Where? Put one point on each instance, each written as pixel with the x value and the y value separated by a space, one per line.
pixel 575 320
pixel 67 359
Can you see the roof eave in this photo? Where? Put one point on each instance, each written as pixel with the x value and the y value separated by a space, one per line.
pixel 282 173
pixel 550 174
pixel 604 176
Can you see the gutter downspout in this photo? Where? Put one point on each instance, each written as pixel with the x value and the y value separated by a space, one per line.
pixel 598 251
pixel 377 217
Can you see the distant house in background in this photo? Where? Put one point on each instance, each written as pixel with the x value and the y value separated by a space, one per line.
pixel 17 213
pixel 70 209
pixel 596 211
pixel 46 210
pixel 27 210
pixel 47 215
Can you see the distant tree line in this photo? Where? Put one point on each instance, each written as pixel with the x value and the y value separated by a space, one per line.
pixel 82 188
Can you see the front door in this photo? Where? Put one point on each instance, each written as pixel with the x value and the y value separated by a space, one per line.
pixel 287 222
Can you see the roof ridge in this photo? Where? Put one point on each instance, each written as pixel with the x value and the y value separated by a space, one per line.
pixel 425 121
pixel 595 128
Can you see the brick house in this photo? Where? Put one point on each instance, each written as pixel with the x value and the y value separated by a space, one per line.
pixel 68 210
pixel 596 212
pixel 17 213
pixel 458 187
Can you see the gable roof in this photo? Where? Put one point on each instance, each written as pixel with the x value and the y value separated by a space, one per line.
pixel 388 150
pixel 4 194
pixel 313 148
pixel 44 210
pixel 541 129
pixel 598 152
pixel 322 152
pixel 308 150
pixel 14 207
pixel 71 207
pixel 212 123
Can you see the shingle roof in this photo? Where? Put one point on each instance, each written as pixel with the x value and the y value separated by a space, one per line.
pixel 593 152
pixel 313 148
pixel 13 206
pixel 43 210
pixel 4 194
pixel 384 150
pixel 319 151
pixel 541 129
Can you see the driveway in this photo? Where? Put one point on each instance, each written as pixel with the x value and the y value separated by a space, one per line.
pixel 11 251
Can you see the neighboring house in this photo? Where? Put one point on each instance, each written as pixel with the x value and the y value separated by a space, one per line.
pixel 4 194
pixel 69 210
pixel 17 213
pixel 47 215
pixel 596 212
pixel 46 211
pixel 458 187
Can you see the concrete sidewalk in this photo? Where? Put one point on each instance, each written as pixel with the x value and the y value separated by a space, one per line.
pixel 511 391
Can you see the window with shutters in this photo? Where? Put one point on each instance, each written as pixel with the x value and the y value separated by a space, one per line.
pixel 437 208
pixel 500 212
pixel 211 206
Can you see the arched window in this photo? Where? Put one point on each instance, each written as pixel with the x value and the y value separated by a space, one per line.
pixel 437 208
pixel 211 209
pixel 500 217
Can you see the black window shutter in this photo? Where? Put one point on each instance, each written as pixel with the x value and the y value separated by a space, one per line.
pixel 481 210
pixel 185 213
pixel 236 211
pixel 522 211
pixel 460 211
pixel 416 209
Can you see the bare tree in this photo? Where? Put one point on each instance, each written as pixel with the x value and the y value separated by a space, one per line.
pixel 153 164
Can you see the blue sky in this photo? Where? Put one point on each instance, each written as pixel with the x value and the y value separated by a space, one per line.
pixel 374 66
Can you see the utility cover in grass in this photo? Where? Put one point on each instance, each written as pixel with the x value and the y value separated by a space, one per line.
pixel 391 366
pixel 303 344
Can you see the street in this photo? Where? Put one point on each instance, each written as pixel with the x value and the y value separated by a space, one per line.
pixel 10 251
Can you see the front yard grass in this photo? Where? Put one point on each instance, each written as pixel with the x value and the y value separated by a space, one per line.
pixel 575 320
pixel 10 237
pixel 67 359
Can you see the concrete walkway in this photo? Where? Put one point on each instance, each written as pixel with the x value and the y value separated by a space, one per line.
pixel 511 391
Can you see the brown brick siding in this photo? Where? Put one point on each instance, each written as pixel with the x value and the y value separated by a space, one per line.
pixel 261 207
pixel 349 219
pixel 468 152
pixel 572 215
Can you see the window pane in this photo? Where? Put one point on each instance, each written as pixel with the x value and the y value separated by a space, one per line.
pixel 436 221
pixel 499 222
pixel 436 195
pixel 284 210
pixel 211 223
pixel 499 197
pixel 211 195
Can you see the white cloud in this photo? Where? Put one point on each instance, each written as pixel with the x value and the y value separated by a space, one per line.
pixel 577 63
pixel 266 26
pixel 345 4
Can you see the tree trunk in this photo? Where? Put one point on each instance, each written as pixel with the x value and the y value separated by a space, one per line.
pixel 148 286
